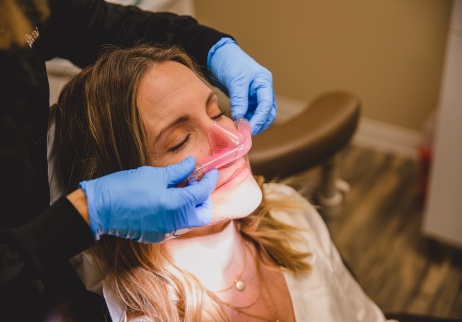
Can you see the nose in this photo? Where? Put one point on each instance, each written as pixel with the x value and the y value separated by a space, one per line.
pixel 222 138
pixel 227 145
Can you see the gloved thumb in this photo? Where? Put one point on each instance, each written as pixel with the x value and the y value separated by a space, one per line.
pixel 203 214
pixel 180 171
pixel 201 191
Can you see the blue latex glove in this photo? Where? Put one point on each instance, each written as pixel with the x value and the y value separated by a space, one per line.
pixel 248 84
pixel 144 205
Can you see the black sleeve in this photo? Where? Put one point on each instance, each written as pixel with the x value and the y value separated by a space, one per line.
pixel 31 253
pixel 78 28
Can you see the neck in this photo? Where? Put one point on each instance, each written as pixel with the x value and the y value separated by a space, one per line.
pixel 215 259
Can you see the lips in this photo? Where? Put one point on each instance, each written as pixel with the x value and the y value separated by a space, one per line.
pixel 231 172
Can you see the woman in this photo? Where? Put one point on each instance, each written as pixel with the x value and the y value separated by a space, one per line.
pixel 260 259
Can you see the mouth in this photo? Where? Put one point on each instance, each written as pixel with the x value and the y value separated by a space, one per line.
pixel 232 173
pixel 230 164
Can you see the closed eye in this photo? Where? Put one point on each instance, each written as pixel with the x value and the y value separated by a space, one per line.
pixel 218 116
pixel 179 145
pixel 182 143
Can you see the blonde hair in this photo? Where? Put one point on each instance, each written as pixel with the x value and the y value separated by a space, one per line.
pixel 98 131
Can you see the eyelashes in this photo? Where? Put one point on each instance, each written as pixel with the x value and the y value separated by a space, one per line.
pixel 218 116
pixel 180 145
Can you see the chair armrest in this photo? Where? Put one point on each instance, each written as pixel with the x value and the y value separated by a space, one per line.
pixel 325 127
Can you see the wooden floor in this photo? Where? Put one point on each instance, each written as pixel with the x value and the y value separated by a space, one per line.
pixel 379 237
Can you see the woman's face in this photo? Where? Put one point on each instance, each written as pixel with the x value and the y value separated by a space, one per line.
pixel 177 109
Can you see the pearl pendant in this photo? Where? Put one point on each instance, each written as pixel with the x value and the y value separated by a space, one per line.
pixel 239 285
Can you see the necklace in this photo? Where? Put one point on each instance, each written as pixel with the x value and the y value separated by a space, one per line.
pixel 261 279
pixel 238 284
pixel 269 293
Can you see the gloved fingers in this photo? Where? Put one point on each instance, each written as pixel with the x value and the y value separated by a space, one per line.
pixel 202 215
pixel 199 191
pixel 271 118
pixel 265 112
pixel 239 98
pixel 178 172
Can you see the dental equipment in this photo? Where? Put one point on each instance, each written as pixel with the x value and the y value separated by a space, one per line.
pixel 236 145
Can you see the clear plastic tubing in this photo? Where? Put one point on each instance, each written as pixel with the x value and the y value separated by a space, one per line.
pixel 227 145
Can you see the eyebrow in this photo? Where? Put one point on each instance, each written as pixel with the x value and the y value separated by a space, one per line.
pixel 184 118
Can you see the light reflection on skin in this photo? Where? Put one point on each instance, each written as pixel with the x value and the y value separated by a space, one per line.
pixel 172 93
pixel 177 107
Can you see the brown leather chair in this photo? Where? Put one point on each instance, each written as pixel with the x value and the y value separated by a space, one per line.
pixel 312 138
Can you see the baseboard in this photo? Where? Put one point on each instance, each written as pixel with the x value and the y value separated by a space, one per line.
pixel 387 137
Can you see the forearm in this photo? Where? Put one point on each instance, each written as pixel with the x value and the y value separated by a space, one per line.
pixel 57 234
pixel 32 252
pixel 79 201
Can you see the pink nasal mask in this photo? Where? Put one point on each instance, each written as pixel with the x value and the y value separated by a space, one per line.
pixel 227 145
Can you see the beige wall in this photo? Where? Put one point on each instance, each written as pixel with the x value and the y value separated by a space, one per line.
pixel 389 52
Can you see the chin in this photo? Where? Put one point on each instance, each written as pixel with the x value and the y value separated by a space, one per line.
pixel 236 198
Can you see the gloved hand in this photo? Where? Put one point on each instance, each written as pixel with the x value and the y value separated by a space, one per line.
pixel 248 85
pixel 144 205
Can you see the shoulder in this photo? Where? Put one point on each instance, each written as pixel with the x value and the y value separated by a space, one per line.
pixel 299 212
pixel 290 206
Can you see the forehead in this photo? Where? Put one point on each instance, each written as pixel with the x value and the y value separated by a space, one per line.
pixel 167 86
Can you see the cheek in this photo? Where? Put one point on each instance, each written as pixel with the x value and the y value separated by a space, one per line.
pixel 196 147
pixel 198 151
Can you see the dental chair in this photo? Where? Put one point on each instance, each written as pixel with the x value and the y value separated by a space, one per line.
pixel 316 137
pixel 313 137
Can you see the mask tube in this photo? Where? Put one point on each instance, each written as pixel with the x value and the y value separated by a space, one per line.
pixel 237 144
